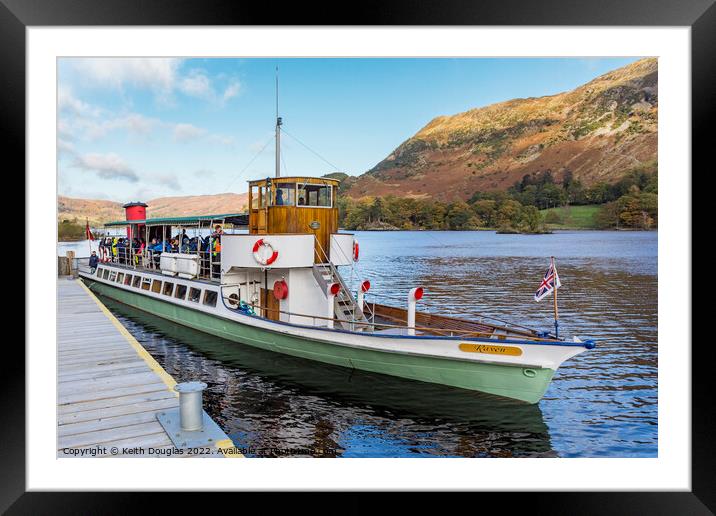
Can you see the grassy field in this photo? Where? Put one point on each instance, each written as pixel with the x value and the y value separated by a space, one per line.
pixel 571 217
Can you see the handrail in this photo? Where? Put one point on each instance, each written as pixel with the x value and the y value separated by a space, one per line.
pixel 452 332
pixel 336 274
pixel 473 314
pixel 348 258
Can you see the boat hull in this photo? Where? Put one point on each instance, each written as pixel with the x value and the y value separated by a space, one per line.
pixel 524 384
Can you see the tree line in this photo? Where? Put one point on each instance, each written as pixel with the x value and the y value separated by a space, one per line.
pixel 631 202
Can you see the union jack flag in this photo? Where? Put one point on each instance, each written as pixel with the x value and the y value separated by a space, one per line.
pixel 549 283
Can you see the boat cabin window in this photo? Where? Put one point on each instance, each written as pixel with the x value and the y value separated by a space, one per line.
pixel 100 270
pixel 105 274
pixel 181 292
pixel 128 279
pixel 168 288
pixel 258 197
pixel 120 277
pixel 145 283
pixel 156 286
pixel 113 276
pixel 285 194
pixel 194 294
pixel 315 195
pixel 210 297
pixel 137 280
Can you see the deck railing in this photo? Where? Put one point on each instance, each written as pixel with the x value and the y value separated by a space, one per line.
pixel 378 326
pixel 208 262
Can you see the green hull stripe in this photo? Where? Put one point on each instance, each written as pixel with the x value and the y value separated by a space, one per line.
pixel 506 381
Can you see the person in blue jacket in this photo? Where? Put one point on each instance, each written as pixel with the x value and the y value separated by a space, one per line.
pixel 93 261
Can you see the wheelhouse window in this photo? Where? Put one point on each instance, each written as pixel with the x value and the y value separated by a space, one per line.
pixel 210 297
pixel 285 194
pixel 194 294
pixel 315 195
pixel 258 197
pixel 181 292
pixel 168 288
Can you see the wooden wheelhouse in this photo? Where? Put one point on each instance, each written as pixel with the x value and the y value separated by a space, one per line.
pixel 295 205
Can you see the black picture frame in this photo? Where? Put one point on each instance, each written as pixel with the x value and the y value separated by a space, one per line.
pixel 699 15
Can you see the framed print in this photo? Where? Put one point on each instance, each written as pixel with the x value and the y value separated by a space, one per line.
pixel 425 231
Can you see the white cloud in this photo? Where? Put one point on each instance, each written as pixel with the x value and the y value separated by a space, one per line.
pixel 156 74
pixel 187 132
pixel 231 91
pixel 221 139
pixel 168 180
pixel 107 166
pixel 133 123
pixel 64 147
pixel 197 84
pixel 67 102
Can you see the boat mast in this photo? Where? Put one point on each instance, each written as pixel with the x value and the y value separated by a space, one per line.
pixel 278 132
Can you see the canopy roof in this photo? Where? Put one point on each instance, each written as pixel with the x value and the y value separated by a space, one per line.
pixel 240 219
pixel 296 179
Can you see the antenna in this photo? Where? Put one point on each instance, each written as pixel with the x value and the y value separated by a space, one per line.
pixel 278 132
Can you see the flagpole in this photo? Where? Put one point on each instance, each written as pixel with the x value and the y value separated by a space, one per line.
pixel 554 291
pixel 89 239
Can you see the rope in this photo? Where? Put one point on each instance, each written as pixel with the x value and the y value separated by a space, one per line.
pixel 311 150
pixel 249 163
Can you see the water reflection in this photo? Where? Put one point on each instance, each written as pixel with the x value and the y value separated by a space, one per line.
pixel 269 401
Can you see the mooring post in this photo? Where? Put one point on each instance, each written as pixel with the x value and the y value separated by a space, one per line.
pixel 191 410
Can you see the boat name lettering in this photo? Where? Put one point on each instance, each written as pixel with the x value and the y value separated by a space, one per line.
pixel 491 349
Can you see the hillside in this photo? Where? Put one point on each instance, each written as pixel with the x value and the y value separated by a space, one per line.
pixel 98 211
pixel 597 131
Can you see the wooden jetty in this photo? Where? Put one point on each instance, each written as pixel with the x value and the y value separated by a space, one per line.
pixel 110 389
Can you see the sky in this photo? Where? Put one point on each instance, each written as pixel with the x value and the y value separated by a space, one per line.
pixel 141 128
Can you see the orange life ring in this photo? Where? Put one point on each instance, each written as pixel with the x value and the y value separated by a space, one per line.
pixel 262 259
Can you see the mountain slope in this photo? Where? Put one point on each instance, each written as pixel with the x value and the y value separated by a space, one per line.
pixel 99 211
pixel 597 131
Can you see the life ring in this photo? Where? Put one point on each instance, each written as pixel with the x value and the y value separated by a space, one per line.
pixel 356 250
pixel 280 290
pixel 258 255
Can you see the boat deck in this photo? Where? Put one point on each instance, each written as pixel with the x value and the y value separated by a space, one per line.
pixel 110 389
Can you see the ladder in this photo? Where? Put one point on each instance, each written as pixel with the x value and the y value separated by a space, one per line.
pixel 346 308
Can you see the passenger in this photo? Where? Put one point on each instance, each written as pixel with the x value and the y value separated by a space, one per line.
pixel 115 240
pixel 93 261
pixel 301 201
pixel 121 251
pixel 140 252
pixel 216 256
pixel 279 197
pixel 217 231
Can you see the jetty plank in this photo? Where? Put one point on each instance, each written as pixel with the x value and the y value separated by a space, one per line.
pixel 109 390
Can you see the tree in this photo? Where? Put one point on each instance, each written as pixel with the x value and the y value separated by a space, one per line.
pixel 460 216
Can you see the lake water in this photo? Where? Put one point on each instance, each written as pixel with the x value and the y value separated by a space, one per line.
pixel 602 403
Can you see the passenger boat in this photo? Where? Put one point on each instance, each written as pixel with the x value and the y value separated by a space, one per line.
pixel 272 281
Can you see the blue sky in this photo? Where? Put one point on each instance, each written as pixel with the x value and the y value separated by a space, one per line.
pixel 137 129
